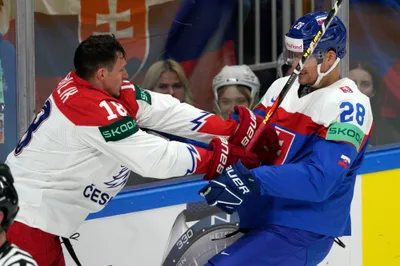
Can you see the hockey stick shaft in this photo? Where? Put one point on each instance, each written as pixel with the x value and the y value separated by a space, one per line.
pixel 295 74
pixel 178 138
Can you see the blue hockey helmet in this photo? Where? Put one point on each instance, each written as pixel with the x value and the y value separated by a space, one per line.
pixel 300 35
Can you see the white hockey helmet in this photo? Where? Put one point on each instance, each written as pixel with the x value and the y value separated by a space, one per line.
pixel 237 75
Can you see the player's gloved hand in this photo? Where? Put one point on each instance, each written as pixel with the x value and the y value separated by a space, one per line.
pixel 268 147
pixel 225 154
pixel 229 190
pixel 5 171
pixel 248 124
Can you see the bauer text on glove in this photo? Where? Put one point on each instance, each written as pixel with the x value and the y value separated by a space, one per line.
pixel 231 188
pixel 224 154
pixel 248 124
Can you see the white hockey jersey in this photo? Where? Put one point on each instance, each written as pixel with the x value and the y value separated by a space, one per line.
pixel 77 153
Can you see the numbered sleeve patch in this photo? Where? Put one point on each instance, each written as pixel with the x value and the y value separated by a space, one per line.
pixel 345 132
pixel 120 129
pixel 142 95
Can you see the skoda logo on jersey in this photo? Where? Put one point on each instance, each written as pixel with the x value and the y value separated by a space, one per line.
pixel 120 179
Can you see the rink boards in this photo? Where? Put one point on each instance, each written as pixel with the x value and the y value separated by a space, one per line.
pixel 134 229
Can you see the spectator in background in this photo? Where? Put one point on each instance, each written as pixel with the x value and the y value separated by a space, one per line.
pixel 390 95
pixel 235 85
pixel 168 77
pixel 366 78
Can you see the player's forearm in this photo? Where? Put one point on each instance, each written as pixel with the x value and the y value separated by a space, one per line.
pixel 146 154
pixel 168 115
pixel 173 159
pixel 196 124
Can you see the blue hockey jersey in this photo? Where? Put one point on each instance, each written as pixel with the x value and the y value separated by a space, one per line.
pixel 323 137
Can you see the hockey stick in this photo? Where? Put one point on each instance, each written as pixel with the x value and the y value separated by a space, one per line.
pixel 282 94
pixel 178 138
pixel 295 74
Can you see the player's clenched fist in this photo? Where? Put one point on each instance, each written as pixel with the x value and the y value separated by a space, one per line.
pixel 225 154
pixel 268 143
pixel 248 124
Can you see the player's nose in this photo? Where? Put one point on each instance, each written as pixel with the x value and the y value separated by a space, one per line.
pixel 231 108
pixel 125 75
pixel 171 90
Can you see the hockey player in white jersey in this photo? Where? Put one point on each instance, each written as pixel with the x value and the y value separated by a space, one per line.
pixel 77 153
pixel 10 255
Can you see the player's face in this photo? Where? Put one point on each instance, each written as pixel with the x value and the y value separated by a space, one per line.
pixel 113 79
pixel 229 99
pixel 169 83
pixel 309 74
pixel 363 79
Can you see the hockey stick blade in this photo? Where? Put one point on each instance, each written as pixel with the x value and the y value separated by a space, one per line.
pixel 295 74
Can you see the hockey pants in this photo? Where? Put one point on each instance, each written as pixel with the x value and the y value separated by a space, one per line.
pixel 275 246
pixel 45 248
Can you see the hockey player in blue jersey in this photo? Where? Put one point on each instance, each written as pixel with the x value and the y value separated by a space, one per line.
pixel 295 205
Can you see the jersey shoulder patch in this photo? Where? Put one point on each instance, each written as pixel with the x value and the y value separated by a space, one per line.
pixel 346 132
pixel 132 93
pixel 119 129
pixel 142 95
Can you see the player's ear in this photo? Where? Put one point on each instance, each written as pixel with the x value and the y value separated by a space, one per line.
pixel 101 73
pixel 330 57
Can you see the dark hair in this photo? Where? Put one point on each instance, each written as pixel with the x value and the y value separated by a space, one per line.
pixel 95 52
pixel 375 101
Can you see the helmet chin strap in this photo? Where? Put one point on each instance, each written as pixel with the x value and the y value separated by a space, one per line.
pixel 322 75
